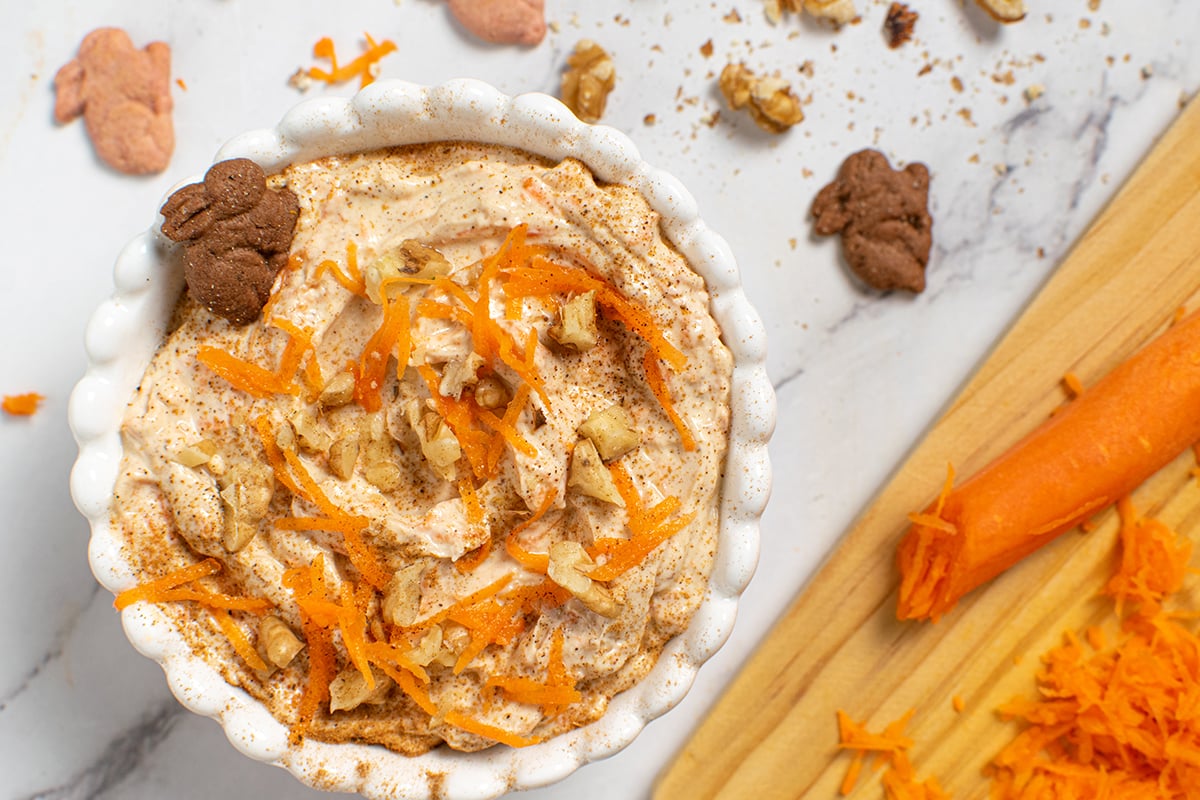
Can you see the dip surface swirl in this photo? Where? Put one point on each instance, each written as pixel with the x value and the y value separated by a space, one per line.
pixel 460 482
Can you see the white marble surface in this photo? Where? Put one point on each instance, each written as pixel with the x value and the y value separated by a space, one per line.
pixel 859 375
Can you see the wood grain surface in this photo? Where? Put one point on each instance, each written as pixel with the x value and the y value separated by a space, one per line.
pixel 773 734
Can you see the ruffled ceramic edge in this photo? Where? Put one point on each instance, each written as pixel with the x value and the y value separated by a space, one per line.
pixel 124 332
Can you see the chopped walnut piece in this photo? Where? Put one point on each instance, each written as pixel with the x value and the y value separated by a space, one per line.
pixel 839 11
pixel 310 435
pixel 589 78
pixel 411 259
pixel 343 455
pixel 440 446
pixel 898 25
pixel 402 597
pixel 279 645
pixel 589 476
pixel 338 392
pixel 612 432
pixel 769 101
pixel 576 328
pixel 459 374
pixel 197 454
pixel 1004 10
pixel 428 648
pixel 491 392
pixel 349 689
pixel 569 565
pixel 247 489
pixel 379 465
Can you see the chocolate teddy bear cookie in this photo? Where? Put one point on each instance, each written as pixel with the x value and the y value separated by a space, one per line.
pixel 236 233
pixel 883 217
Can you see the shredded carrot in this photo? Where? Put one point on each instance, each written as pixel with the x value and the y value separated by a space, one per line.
pixel 958 703
pixel 658 386
pixel 244 375
pixel 648 529
pixel 151 589
pixel 393 334
pixel 1102 445
pixel 899 779
pixel 472 725
pixel 543 277
pixel 469 562
pixel 307 584
pixel 534 562
pixel 362 67
pixel 237 638
pixel 457 414
pixel 21 405
pixel 557 691
pixel 215 600
pixel 1154 561
pixel 180 83
pixel 628 553
pixel 1116 721
pixel 1073 385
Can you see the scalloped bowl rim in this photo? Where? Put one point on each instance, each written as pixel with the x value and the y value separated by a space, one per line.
pixel 126 329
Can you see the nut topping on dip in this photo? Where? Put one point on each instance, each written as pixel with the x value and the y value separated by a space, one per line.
pixel 459 483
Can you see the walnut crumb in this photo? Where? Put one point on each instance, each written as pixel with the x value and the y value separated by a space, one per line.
pixel 898 25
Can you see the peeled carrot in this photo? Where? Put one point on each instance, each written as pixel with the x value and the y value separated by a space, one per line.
pixel 1096 450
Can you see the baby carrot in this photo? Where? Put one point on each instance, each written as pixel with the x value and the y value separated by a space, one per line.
pixel 1096 450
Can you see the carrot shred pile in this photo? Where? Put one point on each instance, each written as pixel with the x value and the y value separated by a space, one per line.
pixel 553 694
pixel 648 529
pixel 392 334
pixel 361 67
pixel 21 405
pixel 182 584
pixel 888 747
pixel 290 471
pixel 1119 721
pixel 259 381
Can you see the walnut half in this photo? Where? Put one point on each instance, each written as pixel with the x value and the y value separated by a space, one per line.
pixel 589 78
pixel 1004 10
pixel 769 101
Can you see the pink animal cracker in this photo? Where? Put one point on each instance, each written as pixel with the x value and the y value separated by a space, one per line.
pixel 124 96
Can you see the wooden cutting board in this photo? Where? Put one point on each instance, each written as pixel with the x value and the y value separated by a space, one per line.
pixel 839 646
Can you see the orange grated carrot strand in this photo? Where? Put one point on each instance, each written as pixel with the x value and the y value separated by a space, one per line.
pixel 662 392
pixel 21 405
pixel 237 638
pixel 472 725
pixel 179 577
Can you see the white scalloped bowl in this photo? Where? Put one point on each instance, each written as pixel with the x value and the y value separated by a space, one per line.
pixel 126 330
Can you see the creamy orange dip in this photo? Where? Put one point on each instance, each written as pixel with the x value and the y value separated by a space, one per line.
pixel 460 483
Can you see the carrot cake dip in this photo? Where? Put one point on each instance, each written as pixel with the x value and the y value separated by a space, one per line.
pixel 458 481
